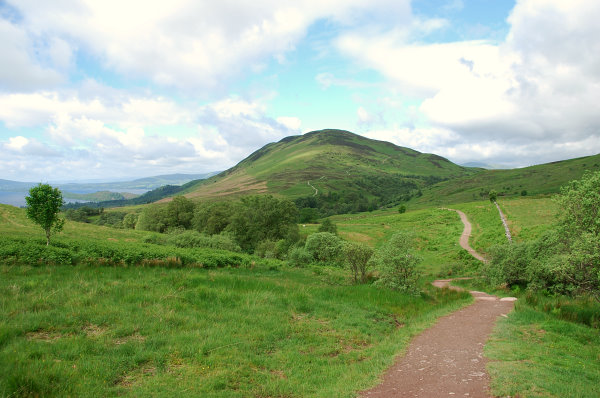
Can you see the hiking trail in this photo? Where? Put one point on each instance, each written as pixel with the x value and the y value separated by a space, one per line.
pixel 447 359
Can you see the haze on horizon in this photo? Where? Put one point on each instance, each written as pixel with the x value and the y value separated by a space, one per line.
pixel 91 90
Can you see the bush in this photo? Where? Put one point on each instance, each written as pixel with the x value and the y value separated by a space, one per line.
pixel 509 265
pixel 357 257
pixel 328 226
pixel 192 239
pixel 299 257
pixel 402 209
pixel 324 247
pixel 266 249
pixel 397 264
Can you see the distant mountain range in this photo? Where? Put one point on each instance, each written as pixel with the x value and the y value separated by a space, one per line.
pixel 141 184
pixel 115 193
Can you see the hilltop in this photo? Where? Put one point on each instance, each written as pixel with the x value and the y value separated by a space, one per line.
pixel 328 163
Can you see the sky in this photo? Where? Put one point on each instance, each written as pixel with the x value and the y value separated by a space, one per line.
pixel 115 89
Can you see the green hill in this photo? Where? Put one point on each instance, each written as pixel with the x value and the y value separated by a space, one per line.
pixel 333 165
pixel 544 179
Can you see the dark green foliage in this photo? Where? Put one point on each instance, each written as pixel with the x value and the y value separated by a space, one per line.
pixel 260 218
pixel 252 220
pixel 397 264
pixel 180 212
pixel 43 206
pixel 324 247
pixel 308 215
pixel 194 239
pixel 493 195
pixel 328 226
pixel 566 259
pixel 298 256
pixel 523 193
pixel 365 194
pixel 578 310
pixel 111 218
pixel 402 209
pixel 130 220
pixel 357 257
pixel 213 218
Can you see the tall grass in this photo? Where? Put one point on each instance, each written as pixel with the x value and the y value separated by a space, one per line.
pixel 105 331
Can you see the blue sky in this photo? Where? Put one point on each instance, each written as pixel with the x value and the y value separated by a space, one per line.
pixel 114 89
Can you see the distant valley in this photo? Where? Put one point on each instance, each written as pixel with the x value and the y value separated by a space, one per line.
pixel 14 192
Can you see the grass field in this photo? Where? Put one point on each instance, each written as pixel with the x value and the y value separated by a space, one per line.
pixel 248 330
pixel 435 231
pixel 110 331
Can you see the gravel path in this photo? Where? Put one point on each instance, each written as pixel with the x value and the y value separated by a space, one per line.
pixel 447 359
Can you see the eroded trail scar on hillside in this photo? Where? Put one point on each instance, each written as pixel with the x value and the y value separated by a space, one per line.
pixel 447 359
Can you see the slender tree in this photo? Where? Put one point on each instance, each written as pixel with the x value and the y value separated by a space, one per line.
pixel 43 206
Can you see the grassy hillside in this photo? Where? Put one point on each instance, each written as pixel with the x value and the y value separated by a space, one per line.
pixel 327 161
pixel 246 329
pixel 536 180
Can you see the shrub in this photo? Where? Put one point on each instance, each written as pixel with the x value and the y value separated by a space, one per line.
pixel 192 239
pixel 299 257
pixel 402 209
pixel 509 264
pixel 324 247
pixel 397 264
pixel 357 257
pixel 328 226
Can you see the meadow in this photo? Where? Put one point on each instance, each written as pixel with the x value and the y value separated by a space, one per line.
pixel 253 328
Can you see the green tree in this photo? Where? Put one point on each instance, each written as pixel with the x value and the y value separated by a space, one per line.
pixel 357 257
pixel 324 247
pixel 493 195
pixel 180 212
pixel 328 226
pixel 397 264
pixel 263 217
pixel 213 218
pixel 402 209
pixel 579 231
pixel 130 220
pixel 43 206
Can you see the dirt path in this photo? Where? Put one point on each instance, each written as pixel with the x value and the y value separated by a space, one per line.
pixel 447 359
pixel 466 233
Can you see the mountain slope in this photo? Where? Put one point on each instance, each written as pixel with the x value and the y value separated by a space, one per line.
pixel 327 162
pixel 543 179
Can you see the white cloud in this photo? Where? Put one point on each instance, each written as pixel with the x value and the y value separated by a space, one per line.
pixel 185 43
pixel 292 123
pixel 536 93
pixel 113 134
pixel 20 69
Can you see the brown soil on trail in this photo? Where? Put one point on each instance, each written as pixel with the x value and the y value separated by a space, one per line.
pixel 464 237
pixel 447 359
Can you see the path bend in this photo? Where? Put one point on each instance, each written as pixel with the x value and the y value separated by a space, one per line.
pixel 466 234
pixel 447 359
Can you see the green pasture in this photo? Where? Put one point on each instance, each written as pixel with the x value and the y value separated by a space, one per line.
pixel 233 332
